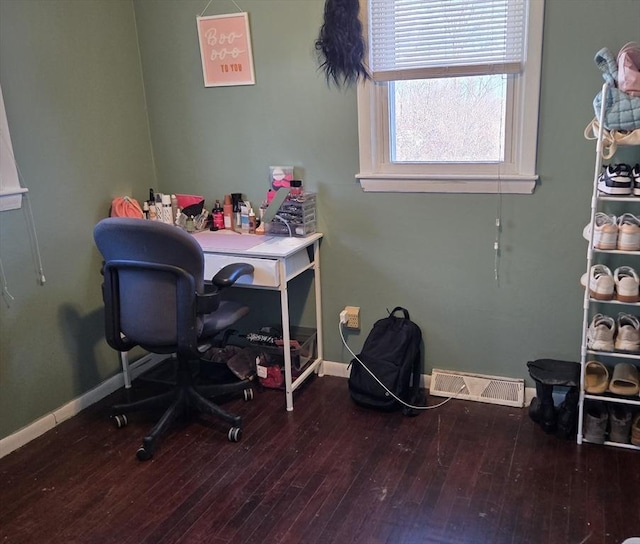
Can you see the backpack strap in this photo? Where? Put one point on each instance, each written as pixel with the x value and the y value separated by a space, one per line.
pixel 399 308
pixel 415 397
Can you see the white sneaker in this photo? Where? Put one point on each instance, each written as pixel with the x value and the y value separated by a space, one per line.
pixel 600 333
pixel 627 284
pixel 628 337
pixel 600 281
pixel 616 180
pixel 605 233
pixel 628 232
pixel 635 174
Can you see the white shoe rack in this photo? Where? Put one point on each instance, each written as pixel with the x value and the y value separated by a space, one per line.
pixel 591 306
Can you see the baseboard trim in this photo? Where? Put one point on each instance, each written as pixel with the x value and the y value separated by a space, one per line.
pixel 72 408
pixel 340 370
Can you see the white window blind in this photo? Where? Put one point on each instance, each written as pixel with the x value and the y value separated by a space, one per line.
pixel 419 39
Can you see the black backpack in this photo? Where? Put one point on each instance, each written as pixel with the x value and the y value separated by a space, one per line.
pixel 391 352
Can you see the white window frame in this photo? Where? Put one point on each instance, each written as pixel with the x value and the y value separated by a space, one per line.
pixel 517 174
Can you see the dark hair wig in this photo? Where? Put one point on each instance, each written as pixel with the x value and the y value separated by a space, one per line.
pixel 340 45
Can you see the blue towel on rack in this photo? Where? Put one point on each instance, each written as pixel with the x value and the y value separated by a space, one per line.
pixel 622 111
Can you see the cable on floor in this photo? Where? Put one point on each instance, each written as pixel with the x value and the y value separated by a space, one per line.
pixel 386 388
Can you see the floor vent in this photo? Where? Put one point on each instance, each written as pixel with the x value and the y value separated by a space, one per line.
pixel 491 389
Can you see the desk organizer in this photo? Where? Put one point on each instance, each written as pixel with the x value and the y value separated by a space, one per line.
pixel 296 217
pixel 270 359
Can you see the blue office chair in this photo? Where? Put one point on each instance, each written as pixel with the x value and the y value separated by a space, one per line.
pixel 155 297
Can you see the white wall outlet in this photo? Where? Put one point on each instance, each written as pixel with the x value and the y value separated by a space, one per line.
pixel 353 317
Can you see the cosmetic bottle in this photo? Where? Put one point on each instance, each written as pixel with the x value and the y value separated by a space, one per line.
pixel 152 204
pixel 252 221
pixel 145 209
pixel 158 206
pixel 181 219
pixel 236 199
pixel 227 212
pixel 296 188
pixel 260 221
pixel 167 215
pixel 244 216
pixel 218 216
pixel 174 209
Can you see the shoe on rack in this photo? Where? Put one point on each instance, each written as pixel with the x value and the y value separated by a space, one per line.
pixel 600 333
pixel 635 174
pixel 628 335
pixel 619 423
pixel 596 378
pixel 624 380
pixel 635 431
pixel 600 281
pixel 616 180
pixel 627 284
pixel 605 233
pixel 595 422
pixel 628 232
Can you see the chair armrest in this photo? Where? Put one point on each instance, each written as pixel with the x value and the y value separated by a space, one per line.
pixel 225 277
pixel 228 275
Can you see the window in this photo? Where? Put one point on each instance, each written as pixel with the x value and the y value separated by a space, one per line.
pixel 453 103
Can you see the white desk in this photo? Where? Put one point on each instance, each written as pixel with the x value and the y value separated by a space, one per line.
pixel 276 261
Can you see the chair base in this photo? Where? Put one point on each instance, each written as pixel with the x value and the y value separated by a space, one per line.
pixel 183 399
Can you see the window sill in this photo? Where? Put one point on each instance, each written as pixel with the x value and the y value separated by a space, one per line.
pixel 385 183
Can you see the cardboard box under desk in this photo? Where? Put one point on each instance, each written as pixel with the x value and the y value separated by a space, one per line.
pixel 270 359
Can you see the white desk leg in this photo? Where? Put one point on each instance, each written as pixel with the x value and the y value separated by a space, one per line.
pixel 316 281
pixel 286 336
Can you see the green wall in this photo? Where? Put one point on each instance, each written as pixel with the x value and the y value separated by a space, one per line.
pixel 72 86
pixel 70 75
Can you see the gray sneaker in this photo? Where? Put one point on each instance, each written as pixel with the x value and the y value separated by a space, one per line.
pixel 601 332
pixel 595 422
pixel 628 335
pixel 619 423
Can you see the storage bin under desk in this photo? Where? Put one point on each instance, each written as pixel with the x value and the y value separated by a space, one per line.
pixel 270 359
pixel 266 271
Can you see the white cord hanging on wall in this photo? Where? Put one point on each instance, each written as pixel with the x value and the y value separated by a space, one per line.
pixel 498 224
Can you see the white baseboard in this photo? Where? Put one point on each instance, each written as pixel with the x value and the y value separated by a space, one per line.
pixel 49 421
pixel 340 370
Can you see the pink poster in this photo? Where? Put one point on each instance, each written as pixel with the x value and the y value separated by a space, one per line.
pixel 225 48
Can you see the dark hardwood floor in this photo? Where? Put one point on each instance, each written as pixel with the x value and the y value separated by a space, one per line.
pixel 327 472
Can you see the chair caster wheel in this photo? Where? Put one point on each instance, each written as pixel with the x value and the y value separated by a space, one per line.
pixel 248 394
pixel 120 420
pixel 143 454
pixel 235 434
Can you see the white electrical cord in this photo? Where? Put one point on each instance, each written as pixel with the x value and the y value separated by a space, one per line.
pixel 6 295
pixel 282 220
pixel 383 385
